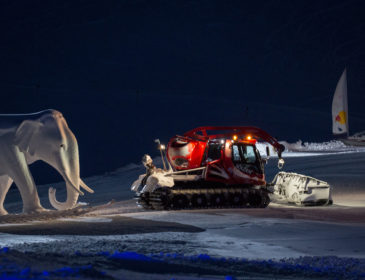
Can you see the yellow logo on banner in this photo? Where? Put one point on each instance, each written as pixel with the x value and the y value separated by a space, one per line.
pixel 341 117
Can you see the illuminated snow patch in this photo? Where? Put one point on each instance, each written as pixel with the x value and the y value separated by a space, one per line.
pixel 218 240
pixel 300 149
pixel 13 239
pixel 87 220
pixel 15 225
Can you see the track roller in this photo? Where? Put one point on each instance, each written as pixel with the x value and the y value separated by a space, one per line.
pixel 180 201
pixel 198 201
pixel 159 199
pixel 258 199
pixel 265 199
pixel 235 199
pixel 217 200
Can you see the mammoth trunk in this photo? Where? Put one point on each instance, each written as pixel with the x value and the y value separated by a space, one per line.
pixel 67 164
pixel 71 200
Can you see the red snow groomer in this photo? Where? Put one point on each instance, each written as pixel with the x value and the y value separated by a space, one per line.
pixel 208 167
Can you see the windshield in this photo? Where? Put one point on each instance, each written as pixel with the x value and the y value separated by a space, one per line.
pixel 244 154
pixel 246 158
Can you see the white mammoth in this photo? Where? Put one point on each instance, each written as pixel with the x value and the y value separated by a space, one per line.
pixel 44 136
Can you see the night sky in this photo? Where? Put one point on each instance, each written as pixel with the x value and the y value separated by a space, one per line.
pixel 126 72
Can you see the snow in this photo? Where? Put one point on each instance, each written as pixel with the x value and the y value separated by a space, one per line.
pixel 239 235
pixel 351 200
pixel 218 239
pixel 87 220
pixel 307 149
pixel 9 240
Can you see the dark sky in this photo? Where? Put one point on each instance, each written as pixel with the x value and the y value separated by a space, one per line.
pixel 126 72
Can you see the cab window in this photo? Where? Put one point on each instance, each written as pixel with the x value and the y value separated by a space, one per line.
pixel 244 154
pixel 246 157
pixel 214 151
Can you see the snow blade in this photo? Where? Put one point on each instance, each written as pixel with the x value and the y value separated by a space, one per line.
pixel 300 189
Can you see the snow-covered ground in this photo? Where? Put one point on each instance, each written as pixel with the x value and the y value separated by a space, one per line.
pixel 279 241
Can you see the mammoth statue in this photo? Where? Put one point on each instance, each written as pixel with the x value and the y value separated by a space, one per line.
pixel 26 138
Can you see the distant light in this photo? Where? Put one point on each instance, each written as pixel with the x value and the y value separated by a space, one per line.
pixel 222 141
pixel 249 137
pixel 234 137
pixel 162 147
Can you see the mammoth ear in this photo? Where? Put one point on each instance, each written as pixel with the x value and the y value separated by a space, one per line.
pixel 24 135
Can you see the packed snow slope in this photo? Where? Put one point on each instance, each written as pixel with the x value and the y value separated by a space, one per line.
pixel 279 241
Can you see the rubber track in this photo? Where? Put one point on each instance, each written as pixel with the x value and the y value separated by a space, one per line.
pixel 162 198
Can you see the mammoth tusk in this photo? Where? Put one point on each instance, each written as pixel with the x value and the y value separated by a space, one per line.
pixel 85 187
pixel 73 186
pixel 80 192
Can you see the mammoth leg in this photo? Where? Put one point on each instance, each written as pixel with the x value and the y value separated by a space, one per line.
pixel 5 183
pixel 24 181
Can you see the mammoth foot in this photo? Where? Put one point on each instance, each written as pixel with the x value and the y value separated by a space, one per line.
pixel 3 212
pixel 35 210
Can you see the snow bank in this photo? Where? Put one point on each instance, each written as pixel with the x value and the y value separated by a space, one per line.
pixel 331 146
pixel 300 149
